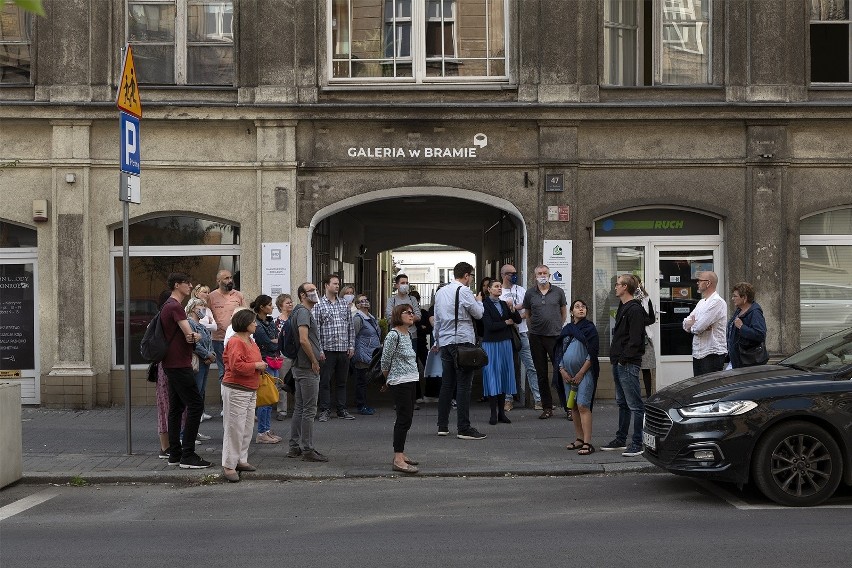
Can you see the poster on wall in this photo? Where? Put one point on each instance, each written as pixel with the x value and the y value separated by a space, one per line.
pixel 17 305
pixel 557 257
pixel 275 269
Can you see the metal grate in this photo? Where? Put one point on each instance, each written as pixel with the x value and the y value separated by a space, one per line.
pixel 657 422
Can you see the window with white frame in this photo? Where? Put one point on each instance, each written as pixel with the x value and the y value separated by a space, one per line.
pixel 159 246
pixel 182 42
pixel 16 27
pixel 417 41
pixel 657 42
pixel 831 55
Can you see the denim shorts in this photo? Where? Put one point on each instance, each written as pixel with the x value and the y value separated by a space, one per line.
pixel 585 391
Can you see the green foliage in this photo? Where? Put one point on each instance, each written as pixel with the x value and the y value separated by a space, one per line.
pixel 33 6
pixel 209 479
pixel 78 481
pixel 383 324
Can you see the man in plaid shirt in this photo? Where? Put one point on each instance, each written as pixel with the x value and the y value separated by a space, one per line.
pixel 337 338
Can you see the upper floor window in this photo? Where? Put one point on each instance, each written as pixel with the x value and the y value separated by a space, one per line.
pixel 418 41
pixel 830 52
pixel 182 42
pixel 15 42
pixel 657 42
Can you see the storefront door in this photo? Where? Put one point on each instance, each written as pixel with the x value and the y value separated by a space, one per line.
pixel 677 290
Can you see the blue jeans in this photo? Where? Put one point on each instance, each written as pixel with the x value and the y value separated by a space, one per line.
pixel 454 382
pixel 628 396
pixel 264 413
pixel 201 378
pixel 219 350
pixel 264 417
pixel 525 356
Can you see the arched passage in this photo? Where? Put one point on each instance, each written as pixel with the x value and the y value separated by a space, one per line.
pixel 344 237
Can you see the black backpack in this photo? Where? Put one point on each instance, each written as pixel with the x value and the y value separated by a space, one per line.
pixel 289 340
pixel 154 346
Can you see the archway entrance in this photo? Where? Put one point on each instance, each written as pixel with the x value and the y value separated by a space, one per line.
pixel 346 238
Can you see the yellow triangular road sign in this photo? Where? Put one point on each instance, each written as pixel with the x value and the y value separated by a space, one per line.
pixel 128 88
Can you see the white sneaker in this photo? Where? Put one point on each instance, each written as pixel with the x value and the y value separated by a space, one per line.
pixel 420 400
pixel 201 437
pixel 205 416
pixel 538 406
pixel 222 413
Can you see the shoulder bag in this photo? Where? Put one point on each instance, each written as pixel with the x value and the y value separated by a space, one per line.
pixel 267 392
pixel 469 357
pixel 753 355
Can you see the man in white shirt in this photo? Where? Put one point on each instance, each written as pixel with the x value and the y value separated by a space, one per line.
pixel 453 328
pixel 514 295
pixel 706 323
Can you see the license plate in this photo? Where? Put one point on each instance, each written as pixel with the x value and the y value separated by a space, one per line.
pixel 649 441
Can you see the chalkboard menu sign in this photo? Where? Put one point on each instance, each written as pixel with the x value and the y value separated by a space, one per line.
pixel 17 311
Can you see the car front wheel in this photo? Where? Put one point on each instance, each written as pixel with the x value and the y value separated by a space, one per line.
pixel 797 464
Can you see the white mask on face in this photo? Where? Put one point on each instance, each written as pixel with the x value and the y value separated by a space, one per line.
pixel 313 296
pixel 542 280
pixel 347 298
pixel 403 288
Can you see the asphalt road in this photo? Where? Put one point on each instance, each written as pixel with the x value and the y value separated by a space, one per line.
pixel 596 520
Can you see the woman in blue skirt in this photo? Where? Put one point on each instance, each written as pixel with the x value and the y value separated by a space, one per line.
pixel 498 376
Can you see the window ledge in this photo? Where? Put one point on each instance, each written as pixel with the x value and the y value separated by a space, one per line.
pixel 419 87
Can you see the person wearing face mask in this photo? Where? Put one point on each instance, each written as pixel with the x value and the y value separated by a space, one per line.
pixel 514 294
pixel 402 296
pixel 338 343
pixel 348 297
pixel 222 302
pixel 546 311
pixel 196 311
pixel 367 339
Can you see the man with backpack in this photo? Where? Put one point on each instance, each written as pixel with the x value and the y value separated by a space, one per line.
pixel 177 365
pixel 307 356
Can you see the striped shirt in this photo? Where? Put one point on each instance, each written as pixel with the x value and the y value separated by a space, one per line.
pixel 334 321
pixel 709 328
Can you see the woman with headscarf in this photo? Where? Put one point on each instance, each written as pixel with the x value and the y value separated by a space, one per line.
pixel 577 352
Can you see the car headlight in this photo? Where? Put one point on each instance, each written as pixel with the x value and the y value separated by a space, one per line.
pixel 721 408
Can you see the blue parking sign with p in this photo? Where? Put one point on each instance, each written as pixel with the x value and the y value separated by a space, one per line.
pixel 130 146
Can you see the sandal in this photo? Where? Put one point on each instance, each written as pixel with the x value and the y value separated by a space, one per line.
pixel 586 449
pixel 574 445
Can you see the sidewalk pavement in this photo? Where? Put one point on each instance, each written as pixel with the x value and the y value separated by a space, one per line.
pixel 61 444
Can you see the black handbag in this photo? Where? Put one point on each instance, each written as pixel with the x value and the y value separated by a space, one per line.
pixel 469 357
pixel 516 338
pixel 753 355
pixel 152 372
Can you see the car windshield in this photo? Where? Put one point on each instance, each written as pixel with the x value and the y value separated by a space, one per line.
pixel 829 354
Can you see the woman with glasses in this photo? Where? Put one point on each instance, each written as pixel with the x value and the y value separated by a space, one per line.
pixel 368 338
pixel 747 327
pixel 498 376
pixel 399 366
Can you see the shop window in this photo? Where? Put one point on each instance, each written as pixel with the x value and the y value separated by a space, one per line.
pixel 158 247
pixel 16 26
pixel 15 236
pixel 825 273
pixel 671 49
pixel 830 54
pixel 182 42
pixel 418 41
pixel 609 262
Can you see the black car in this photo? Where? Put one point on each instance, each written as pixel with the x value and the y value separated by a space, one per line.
pixel 787 428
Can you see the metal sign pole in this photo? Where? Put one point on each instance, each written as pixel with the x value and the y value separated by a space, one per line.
pixel 125 263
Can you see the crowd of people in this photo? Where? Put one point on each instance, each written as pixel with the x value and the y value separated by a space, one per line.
pixel 504 333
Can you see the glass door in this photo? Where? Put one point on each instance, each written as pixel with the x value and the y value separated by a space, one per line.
pixel 677 290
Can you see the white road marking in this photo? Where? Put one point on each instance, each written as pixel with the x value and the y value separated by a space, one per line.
pixel 22 505
pixel 768 505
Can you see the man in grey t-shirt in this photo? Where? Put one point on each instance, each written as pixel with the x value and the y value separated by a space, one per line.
pixel 546 311
pixel 306 375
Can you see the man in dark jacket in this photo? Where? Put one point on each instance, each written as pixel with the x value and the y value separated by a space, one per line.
pixel 625 354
